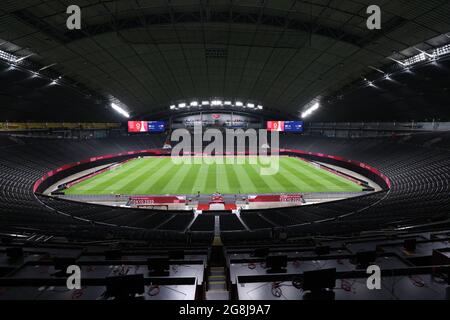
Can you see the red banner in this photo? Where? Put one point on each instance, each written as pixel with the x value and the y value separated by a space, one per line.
pixel 156 200
pixel 276 198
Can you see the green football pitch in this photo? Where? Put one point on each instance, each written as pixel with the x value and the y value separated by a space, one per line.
pixel 158 176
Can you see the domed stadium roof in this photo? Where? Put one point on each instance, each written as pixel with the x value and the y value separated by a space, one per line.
pixel 150 54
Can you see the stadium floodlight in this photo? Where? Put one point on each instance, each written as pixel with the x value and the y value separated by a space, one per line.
pixel 48 66
pixel 399 62
pixel 423 56
pixel 442 51
pixel 376 69
pixel 251 105
pixel 239 104
pixel 216 102
pixel 260 107
pixel 182 105
pixel 205 103
pixel 194 104
pixel 120 110
pixel 425 53
pixel 23 58
pixel 54 82
pixel 227 103
pixel 173 107
pixel 310 110
pixel 8 57
pixel 415 59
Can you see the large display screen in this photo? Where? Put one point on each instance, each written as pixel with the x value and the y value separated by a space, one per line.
pixel 146 126
pixel 285 126
pixel 137 126
pixel 156 126
pixel 293 126
pixel 275 126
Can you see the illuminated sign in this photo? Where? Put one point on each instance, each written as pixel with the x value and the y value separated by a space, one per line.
pixel 146 126
pixel 285 126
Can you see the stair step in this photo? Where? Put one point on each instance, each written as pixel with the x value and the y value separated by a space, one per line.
pixel 217 282
pixel 217 295
pixel 217 272
pixel 217 268
pixel 221 277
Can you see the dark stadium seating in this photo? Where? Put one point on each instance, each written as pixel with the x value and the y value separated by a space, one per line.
pixel 179 222
pixel 418 173
pixel 204 223
pixel 230 222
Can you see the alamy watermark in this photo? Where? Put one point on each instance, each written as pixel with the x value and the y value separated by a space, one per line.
pixel 374 280
pixel 74 278
pixel 228 146
pixel 74 19
pixel 374 19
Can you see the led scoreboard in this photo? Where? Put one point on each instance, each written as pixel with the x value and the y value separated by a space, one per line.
pixel 156 126
pixel 146 126
pixel 293 126
pixel 285 126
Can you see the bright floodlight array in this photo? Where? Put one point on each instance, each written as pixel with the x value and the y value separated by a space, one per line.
pixel 310 110
pixel 216 103
pixel 14 61
pixel 442 51
pixel 415 59
pixel 120 110
pixel 424 56
pixel 8 57
pixel 432 56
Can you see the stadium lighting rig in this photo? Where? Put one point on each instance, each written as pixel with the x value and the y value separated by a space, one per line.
pixel 216 103
pixel 407 65
pixel 425 56
pixel 19 63
pixel 310 110
pixel 120 110
pixel 12 59
pixel 9 57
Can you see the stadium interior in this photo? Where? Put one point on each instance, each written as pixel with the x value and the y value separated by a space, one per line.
pixel 351 99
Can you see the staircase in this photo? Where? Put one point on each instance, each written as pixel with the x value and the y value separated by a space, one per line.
pixel 217 284
pixel 217 278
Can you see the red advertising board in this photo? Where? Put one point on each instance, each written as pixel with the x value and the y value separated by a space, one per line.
pixel 275 126
pixel 156 200
pixel 276 198
pixel 137 126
